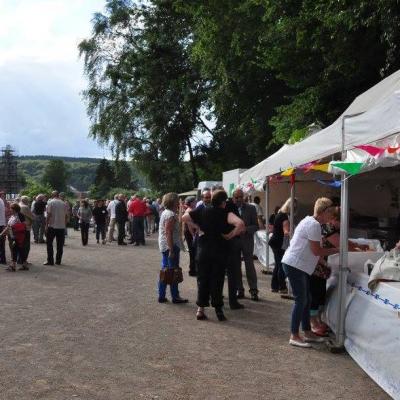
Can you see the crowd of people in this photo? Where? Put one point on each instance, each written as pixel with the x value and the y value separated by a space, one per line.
pixel 219 235
pixel 48 218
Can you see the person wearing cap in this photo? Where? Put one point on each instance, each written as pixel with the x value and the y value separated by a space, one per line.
pixel 190 205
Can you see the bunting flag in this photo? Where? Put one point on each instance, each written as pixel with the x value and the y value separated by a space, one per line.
pixel 335 184
pixel 320 167
pixel 288 172
pixel 392 150
pixel 352 168
pixel 372 150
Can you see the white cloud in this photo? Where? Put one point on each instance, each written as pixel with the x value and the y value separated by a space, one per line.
pixel 41 109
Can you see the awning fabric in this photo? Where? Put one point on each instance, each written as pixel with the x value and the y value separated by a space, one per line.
pixel 380 118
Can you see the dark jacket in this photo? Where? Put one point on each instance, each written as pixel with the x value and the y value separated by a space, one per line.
pixel 249 217
pixel 121 213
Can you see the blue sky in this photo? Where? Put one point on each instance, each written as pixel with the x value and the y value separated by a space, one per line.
pixel 41 109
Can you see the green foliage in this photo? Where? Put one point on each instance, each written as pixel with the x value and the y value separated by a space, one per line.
pixel 56 174
pixel 258 72
pixel 33 188
pixel 123 175
pixel 146 98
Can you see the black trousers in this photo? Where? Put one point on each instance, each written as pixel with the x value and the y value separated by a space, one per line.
pixel 231 269
pixel 210 274
pixel 192 250
pixel 278 281
pixel 2 247
pixel 138 229
pixel 85 232
pixel 59 234
pixel 101 230
pixel 121 231
pixel 318 292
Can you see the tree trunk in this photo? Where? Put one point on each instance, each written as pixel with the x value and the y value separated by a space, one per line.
pixel 195 176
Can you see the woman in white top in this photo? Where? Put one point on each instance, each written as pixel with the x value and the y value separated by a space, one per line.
pixel 299 263
pixel 169 242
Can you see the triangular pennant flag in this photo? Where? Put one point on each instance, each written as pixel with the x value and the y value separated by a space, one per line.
pixel 392 150
pixel 288 172
pixel 351 168
pixel 373 150
pixel 321 167
pixel 335 184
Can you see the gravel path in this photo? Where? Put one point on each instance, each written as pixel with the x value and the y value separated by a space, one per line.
pixel 92 329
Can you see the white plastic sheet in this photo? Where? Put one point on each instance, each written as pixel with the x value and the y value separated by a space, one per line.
pixel 372 324
pixel 260 244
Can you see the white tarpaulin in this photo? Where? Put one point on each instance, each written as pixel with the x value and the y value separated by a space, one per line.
pixel 260 243
pixel 380 106
pixel 372 324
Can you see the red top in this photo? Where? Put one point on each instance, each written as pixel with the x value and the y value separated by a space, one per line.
pixel 137 208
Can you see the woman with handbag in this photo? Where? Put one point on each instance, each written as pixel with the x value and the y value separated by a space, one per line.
pixel 16 230
pixel 169 243
pixel 279 242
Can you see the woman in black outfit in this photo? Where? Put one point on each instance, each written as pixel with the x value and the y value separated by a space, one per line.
pixel 280 231
pixel 214 226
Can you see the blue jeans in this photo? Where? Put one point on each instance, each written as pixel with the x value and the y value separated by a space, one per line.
pixel 168 262
pixel 300 283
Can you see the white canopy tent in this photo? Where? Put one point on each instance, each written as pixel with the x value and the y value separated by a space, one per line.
pixel 379 109
pixel 372 118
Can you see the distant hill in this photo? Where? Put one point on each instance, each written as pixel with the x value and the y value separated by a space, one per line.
pixel 82 170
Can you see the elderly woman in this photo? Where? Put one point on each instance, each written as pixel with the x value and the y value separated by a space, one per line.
pixel 215 226
pixel 299 263
pixel 16 230
pixel 29 218
pixel 170 244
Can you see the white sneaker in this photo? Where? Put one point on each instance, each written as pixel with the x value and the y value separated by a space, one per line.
pixel 299 343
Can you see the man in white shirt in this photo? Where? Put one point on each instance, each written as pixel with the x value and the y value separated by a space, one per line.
pixel 55 228
pixel 3 224
pixel 111 213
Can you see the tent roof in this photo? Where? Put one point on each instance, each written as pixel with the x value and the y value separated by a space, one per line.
pixel 380 106
pixel 190 193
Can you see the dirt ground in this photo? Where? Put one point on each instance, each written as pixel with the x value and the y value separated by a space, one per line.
pixel 92 329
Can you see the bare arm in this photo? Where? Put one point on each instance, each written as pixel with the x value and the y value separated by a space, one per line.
pixel 334 240
pixel 193 228
pixel 169 230
pixel 319 251
pixel 286 228
pixel 238 224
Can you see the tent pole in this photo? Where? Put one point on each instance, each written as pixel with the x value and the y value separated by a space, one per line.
pixel 292 200
pixel 344 251
pixel 267 223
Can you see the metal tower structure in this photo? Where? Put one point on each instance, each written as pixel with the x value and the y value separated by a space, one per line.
pixel 8 171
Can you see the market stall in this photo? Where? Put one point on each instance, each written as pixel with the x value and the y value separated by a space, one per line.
pixel 362 139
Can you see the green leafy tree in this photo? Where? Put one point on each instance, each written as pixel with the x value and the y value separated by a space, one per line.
pixel 33 188
pixel 123 175
pixel 56 175
pixel 145 94
pixel 104 179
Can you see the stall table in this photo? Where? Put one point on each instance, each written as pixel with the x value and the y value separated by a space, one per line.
pixel 372 322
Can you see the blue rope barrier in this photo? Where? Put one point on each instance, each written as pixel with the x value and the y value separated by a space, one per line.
pixel 376 296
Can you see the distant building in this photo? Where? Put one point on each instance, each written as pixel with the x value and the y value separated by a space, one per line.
pixel 9 171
